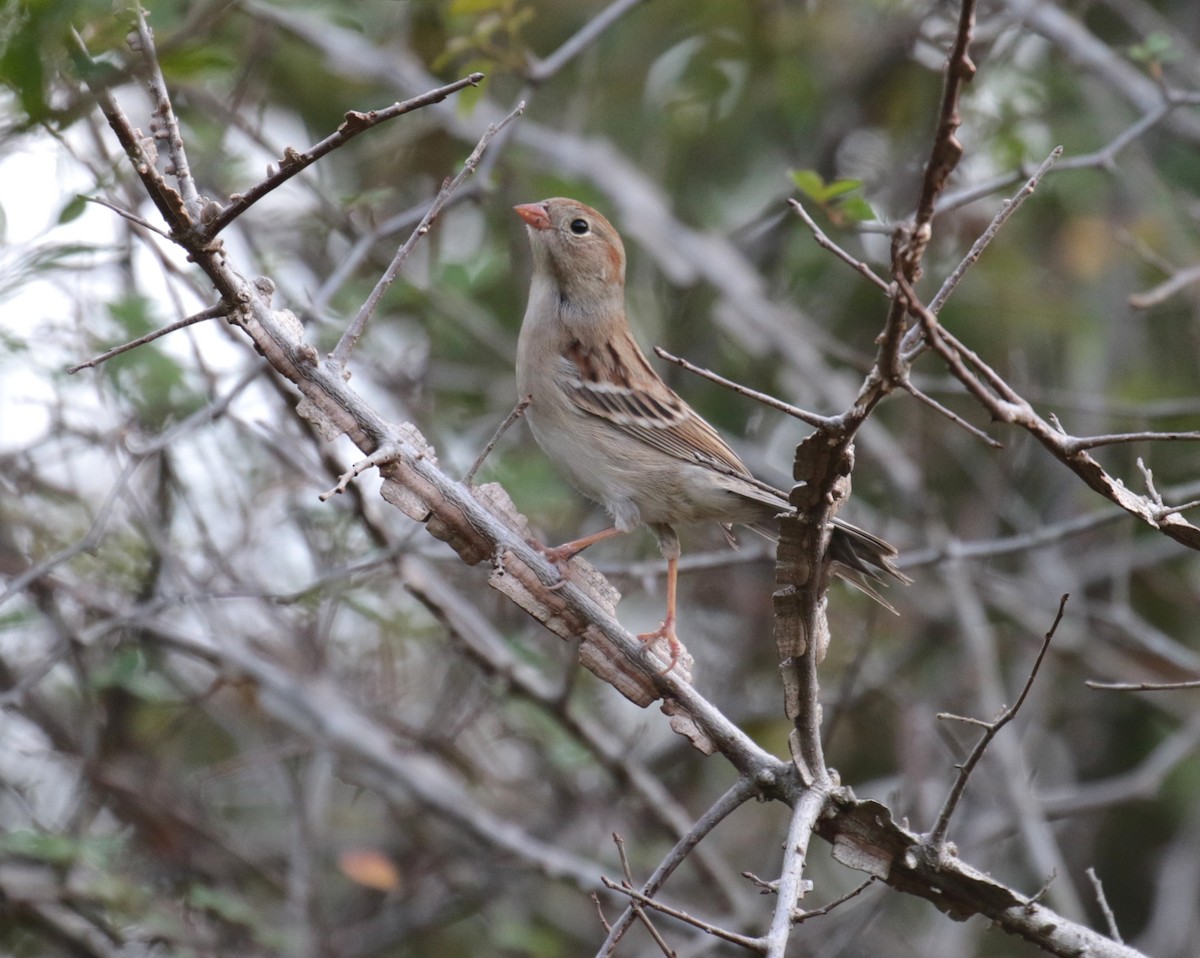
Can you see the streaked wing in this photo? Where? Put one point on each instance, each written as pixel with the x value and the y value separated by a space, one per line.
pixel 667 424
pixel 631 396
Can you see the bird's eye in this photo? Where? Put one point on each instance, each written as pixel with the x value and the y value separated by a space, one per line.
pixel 579 227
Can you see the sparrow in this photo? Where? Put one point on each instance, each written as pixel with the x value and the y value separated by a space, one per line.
pixel 620 434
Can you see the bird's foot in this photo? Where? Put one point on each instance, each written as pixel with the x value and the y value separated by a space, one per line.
pixel 665 631
pixel 558 556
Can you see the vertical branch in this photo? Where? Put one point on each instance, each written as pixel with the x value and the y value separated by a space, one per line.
pixel 947 150
pixel 792 885
pixel 164 123
pixel 825 460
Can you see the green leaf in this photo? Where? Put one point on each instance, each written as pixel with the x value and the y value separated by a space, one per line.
pixel 225 905
pixel 74 209
pixel 475 6
pixel 52 849
pixel 809 182
pixel 1156 48
pixel 857 209
pixel 840 188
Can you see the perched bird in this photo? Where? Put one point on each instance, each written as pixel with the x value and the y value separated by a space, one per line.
pixel 621 435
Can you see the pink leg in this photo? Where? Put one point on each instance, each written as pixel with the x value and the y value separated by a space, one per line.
pixel 564 553
pixel 667 629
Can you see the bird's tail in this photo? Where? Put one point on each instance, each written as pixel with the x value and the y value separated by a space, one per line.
pixel 860 557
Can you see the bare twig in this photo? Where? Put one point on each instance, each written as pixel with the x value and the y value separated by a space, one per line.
pixel 1077 444
pixel 600 912
pixel 638 910
pixel 799 916
pixel 211 313
pixel 1175 283
pixel 1038 895
pixel 950 414
pixel 1104 158
pixel 1007 545
pixel 341 352
pixel 85 543
pixel 214 410
pixel 1007 208
pixel 1109 918
pixel 385 453
pixel 355 122
pixel 641 898
pixel 937 836
pixel 738 794
pixel 912 341
pixel 517 412
pixel 812 418
pixel 132 217
pixel 1142 686
pixel 826 243
pixel 947 150
pixel 579 41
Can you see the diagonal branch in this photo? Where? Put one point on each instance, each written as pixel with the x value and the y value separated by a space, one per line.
pixel 341 352
pixel 734 797
pixel 813 419
pixel 294 161
pixel 937 836
pixel 1006 405
pixel 213 312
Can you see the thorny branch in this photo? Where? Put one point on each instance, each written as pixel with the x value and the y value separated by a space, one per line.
pixel 822 468
pixel 294 161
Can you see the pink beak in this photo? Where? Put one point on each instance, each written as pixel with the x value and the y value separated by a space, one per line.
pixel 534 214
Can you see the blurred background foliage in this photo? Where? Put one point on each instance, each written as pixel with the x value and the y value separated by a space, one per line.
pixel 160 528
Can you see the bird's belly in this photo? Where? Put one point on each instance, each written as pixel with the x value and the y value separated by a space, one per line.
pixel 638 488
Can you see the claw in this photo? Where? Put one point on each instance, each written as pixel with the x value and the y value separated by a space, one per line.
pixel 560 555
pixel 665 631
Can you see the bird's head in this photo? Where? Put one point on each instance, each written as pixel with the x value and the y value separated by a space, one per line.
pixel 576 248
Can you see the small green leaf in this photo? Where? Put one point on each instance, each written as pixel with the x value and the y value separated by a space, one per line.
pixel 226 905
pixel 52 849
pixel 857 209
pixel 1156 48
pixel 474 6
pixel 809 182
pixel 840 188
pixel 74 209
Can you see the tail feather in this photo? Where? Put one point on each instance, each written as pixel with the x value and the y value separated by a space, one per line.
pixel 859 557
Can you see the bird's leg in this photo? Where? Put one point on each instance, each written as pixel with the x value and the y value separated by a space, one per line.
pixel 667 629
pixel 668 543
pixel 561 555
